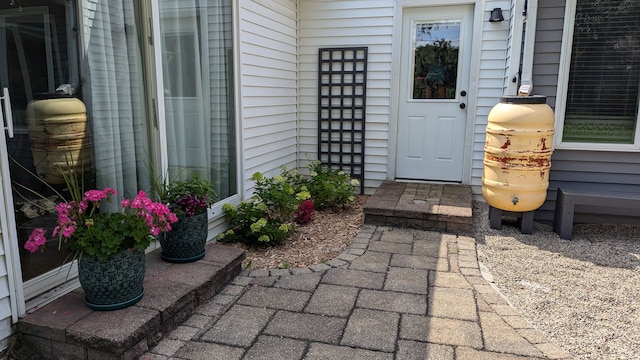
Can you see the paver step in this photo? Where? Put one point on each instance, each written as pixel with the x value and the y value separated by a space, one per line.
pixel 66 328
pixel 438 207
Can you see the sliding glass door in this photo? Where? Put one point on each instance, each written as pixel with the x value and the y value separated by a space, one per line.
pixel 156 80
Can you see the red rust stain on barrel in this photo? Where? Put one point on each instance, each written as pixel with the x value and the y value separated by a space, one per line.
pixel 543 143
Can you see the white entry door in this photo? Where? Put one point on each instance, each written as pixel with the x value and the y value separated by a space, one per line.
pixel 434 78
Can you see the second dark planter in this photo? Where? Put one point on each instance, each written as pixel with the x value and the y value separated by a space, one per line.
pixel 186 241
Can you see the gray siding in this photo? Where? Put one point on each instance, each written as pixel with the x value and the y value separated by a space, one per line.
pixel 601 169
pixel 546 58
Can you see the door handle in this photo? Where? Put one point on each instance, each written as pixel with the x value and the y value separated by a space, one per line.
pixel 463 105
pixel 7 112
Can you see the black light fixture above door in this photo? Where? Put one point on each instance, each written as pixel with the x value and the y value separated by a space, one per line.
pixel 496 15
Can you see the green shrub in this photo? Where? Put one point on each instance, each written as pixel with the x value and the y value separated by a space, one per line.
pixel 267 218
pixel 280 194
pixel 330 188
pixel 250 223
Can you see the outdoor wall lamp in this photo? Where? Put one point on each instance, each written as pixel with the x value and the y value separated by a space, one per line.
pixel 496 15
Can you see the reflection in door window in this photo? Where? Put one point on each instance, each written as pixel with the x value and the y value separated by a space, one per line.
pixel 35 43
pixel 435 51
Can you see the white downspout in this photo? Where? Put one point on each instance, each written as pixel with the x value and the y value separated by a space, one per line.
pixel 517 37
pixel 531 17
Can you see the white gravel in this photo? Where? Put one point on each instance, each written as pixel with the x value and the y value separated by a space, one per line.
pixel 584 294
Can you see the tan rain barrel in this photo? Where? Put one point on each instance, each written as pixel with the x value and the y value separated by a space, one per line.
pixel 60 138
pixel 517 153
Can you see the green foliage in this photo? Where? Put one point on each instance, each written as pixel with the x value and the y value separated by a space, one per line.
pixel 105 237
pixel 279 194
pixel 250 223
pixel 190 197
pixel 267 218
pixel 184 197
pixel 330 188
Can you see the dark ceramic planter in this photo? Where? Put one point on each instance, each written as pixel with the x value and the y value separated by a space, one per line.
pixel 113 283
pixel 186 240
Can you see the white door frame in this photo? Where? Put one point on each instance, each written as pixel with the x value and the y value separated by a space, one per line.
pixel 478 20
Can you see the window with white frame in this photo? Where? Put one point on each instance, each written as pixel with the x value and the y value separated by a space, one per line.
pixel 599 85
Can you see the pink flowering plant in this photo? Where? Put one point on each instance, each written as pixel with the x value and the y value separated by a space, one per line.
pixel 86 231
pixel 187 197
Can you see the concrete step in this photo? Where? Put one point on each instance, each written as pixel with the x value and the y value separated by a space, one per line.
pixel 439 207
pixel 67 328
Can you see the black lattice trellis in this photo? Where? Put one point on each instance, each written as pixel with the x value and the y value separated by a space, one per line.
pixel 342 90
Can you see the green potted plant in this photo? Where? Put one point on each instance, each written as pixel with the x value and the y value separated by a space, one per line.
pixel 189 200
pixel 109 246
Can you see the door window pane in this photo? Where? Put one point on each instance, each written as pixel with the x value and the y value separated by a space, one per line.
pixel 107 140
pixel 435 68
pixel 602 96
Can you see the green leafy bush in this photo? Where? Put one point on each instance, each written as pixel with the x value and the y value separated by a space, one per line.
pixel 250 223
pixel 268 217
pixel 330 188
pixel 279 194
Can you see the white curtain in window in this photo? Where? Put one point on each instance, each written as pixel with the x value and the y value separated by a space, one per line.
pixel 185 92
pixel 114 94
pixel 197 62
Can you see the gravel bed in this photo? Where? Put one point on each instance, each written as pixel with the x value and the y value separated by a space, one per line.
pixel 584 294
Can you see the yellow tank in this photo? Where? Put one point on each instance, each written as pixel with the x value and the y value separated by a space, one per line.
pixel 60 138
pixel 517 153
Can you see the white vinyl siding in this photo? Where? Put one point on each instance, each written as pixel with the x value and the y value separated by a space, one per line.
pixel 8 301
pixel 348 23
pixel 5 299
pixel 268 87
pixel 491 71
